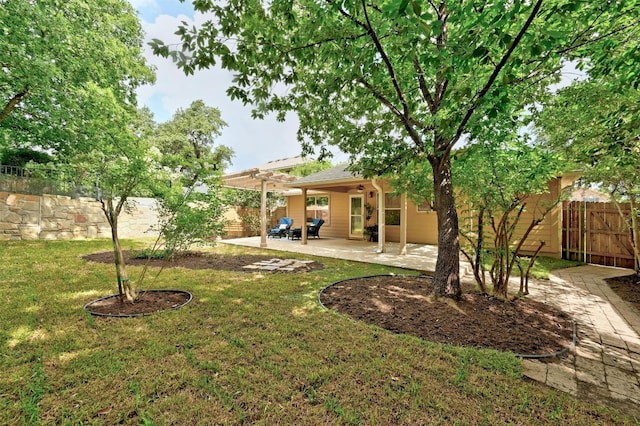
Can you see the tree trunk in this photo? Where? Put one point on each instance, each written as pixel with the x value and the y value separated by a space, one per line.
pixel 125 288
pixel 447 275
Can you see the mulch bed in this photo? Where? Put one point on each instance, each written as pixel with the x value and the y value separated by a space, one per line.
pixel 147 303
pixel 403 304
pixel 627 288
pixel 199 260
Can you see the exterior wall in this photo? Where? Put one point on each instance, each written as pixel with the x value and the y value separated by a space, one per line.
pixel 338 224
pixel 51 217
pixel 235 228
pixel 422 227
pixel 549 230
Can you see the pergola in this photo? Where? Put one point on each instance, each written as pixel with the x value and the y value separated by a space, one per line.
pixel 263 181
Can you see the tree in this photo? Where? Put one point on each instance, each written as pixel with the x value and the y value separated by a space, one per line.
pixel 120 164
pixel 123 161
pixel 191 207
pixel 395 82
pixel 499 180
pixel 189 136
pixel 310 168
pixel 50 52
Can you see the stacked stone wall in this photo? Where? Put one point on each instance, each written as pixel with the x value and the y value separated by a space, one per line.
pixel 51 217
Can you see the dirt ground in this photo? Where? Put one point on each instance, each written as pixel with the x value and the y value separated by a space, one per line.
pixel 402 304
pixel 627 288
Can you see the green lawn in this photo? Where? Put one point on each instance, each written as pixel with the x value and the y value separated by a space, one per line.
pixel 250 348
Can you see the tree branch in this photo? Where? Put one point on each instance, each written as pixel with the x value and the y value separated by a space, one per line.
pixel 496 71
pixel 13 102
pixel 600 37
pixel 433 107
pixel 387 63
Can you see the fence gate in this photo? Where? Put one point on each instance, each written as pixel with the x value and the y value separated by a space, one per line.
pixel 595 233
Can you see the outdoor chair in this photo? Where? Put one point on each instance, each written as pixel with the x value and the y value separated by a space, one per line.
pixel 314 228
pixel 282 230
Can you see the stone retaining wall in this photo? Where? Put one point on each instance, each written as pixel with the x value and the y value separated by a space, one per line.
pixel 52 217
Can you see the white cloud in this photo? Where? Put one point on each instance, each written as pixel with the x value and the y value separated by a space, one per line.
pixel 254 141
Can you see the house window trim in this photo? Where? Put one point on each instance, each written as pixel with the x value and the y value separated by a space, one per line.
pixel 387 208
pixel 327 220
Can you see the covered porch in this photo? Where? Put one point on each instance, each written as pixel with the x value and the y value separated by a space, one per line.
pixel 419 257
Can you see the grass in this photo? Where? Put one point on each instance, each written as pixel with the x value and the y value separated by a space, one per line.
pixel 541 268
pixel 249 349
pixel 544 265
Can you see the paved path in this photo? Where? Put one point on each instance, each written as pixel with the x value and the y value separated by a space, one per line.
pixel 604 367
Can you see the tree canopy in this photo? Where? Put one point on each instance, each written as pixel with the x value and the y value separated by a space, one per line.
pixel 397 82
pixel 52 55
pixel 189 136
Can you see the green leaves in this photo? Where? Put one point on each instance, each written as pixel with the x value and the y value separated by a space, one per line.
pixel 598 128
pixel 50 52
pixel 396 83
pixel 187 142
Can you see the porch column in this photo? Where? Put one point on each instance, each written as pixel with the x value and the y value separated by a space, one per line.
pixel 381 206
pixel 403 224
pixel 304 216
pixel 263 213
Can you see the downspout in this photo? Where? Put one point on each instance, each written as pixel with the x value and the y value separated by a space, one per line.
pixel 403 224
pixel 304 217
pixel 381 231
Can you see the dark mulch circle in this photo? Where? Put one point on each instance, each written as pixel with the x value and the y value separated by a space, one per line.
pixel 148 302
pixel 403 304
pixel 199 260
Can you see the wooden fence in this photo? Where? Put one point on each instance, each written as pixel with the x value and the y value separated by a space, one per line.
pixel 595 233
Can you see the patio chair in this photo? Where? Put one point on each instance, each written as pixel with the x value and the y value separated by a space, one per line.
pixel 282 230
pixel 314 228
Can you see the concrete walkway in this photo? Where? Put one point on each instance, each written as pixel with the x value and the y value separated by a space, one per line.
pixel 604 367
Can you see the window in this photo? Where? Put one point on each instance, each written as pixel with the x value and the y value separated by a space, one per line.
pixel 318 208
pixel 391 209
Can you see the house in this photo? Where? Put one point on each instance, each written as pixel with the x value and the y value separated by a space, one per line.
pixel 349 203
pixel 590 195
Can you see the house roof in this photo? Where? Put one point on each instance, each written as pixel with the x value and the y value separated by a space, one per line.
pixel 338 173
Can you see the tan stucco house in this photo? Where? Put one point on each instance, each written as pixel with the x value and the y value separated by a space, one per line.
pixel 349 203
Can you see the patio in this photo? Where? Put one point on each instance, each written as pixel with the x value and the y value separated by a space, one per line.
pixel 419 257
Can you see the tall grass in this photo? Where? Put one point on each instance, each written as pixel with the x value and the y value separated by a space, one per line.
pixel 251 348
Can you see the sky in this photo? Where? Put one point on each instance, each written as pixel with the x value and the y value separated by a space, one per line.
pixel 254 141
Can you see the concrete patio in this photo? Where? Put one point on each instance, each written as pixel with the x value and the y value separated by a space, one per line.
pixel 419 257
